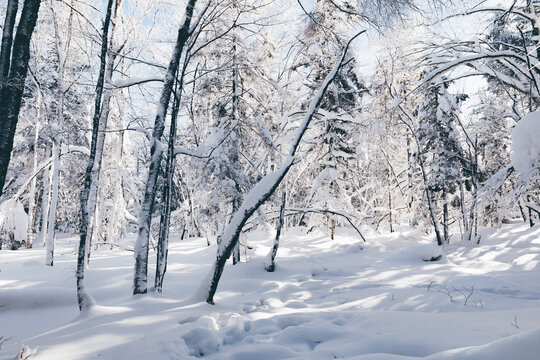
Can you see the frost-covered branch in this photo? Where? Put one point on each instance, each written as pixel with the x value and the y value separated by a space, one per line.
pixel 264 189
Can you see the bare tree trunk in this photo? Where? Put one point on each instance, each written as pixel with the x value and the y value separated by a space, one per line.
pixel 390 219
pixel 62 50
pixel 234 149
pixel 32 199
pixel 55 178
pixel 431 205
pixel 140 277
pixel 445 218
pixel 236 250
pixel 7 39
pixel 45 201
pixel 409 179
pixel 84 300
pixel 12 89
pixel 522 211
pixel 463 210
pixel 165 218
pixel 105 108
pixel 269 264
pixel 531 222
pixel 263 190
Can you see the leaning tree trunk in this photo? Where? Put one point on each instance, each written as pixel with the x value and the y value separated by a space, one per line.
pixel 13 85
pixel 83 299
pixel 263 190
pixel 140 277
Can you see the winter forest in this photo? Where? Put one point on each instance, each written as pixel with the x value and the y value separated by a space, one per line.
pixel 270 179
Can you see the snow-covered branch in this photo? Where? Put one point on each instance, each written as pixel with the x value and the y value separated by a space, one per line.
pixel 264 189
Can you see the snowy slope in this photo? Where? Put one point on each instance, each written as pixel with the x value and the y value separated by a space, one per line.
pixel 327 299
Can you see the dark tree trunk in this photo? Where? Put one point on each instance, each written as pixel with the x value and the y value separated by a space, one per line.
pixel 234 158
pixel 429 196
pixel 13 85
pixel 445 218
pixel 531 222
pixel 7 38
pixel 270 266
pixel 522 211
pixel 82 297
pixel 140 277
pixel 409 174
pixel 390 219
pixel 165 218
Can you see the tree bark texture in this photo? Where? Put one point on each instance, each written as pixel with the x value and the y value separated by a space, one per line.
pixel 13 85
pixel 7 38
pixel 165 218
pixel 83 298
pixel 140 277
pixel 270 265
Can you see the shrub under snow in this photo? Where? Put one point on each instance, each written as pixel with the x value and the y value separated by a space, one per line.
pixel 526 143
pixel 13 222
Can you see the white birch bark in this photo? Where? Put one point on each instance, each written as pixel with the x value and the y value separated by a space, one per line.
pixel 103 119
pixel 84 300
pixel 55 178
pixel 45 201
pixel 62 50
pixel 140 277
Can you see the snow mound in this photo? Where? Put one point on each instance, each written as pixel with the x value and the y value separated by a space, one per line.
pixel 14 220
pixel 523 346
pixel 216 330
pixel 202 342
pixel 526 143
pixel 424 252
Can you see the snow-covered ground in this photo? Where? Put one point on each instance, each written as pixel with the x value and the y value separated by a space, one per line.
pixel 340 299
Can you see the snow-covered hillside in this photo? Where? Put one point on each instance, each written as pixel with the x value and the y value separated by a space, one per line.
pixel 341 299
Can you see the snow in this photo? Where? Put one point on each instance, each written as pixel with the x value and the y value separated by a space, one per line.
pixel 14 220
pixel 526 143
pixel 326 299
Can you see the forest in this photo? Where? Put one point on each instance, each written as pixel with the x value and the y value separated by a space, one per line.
pixel 285 179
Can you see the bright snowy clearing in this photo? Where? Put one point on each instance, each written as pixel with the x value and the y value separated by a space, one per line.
pixel 326 299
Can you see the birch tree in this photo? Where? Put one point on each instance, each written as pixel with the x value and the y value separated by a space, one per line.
pixel 84 300
pixel 140 277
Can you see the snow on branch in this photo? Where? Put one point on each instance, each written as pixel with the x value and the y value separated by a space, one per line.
pixel 504 54
pixel 44 165
pixel 534 207
pixel 512 10
pixel 264 189
pixel 124 83
pixel 343 214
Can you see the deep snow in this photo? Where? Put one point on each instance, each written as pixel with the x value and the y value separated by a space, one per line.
pixel 526 143
pixel 326 299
